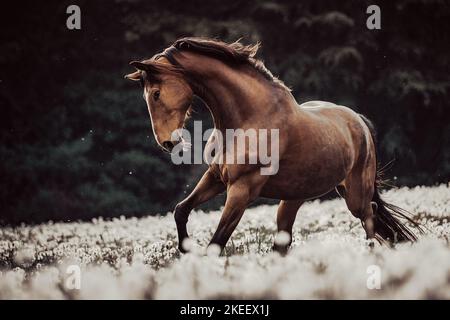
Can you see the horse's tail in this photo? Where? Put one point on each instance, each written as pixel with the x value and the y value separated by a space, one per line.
pixel 388 224
pixel 388 217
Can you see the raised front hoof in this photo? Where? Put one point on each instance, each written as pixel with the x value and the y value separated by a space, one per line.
pixel 185 245
pixel 282 250
pixel 182 250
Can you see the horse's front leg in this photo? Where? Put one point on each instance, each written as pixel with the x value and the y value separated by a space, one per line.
pixel 208 187
pixel 239 196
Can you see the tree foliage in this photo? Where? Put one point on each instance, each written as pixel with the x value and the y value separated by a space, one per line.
pixel 76 140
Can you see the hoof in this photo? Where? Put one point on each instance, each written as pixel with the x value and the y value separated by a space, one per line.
pixel 282 250
pixel 181 249
pixel 186 245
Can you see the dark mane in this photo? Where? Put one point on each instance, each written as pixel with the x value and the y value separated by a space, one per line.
pixel 230 53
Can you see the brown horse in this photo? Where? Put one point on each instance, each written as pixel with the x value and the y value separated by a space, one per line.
pixel 321 145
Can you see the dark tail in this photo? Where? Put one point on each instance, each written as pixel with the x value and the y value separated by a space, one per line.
pixel 388 217
pixel 388 224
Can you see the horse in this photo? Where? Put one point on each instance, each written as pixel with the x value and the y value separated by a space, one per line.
pixel 322 146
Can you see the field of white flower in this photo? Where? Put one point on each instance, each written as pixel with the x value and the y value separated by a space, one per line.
pixel 137 258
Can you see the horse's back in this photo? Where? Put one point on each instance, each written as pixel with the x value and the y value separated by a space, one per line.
pixel 317 104
pixel 342 116
pixel 329 109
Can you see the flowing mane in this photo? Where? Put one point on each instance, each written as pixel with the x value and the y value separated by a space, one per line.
pixel 230 53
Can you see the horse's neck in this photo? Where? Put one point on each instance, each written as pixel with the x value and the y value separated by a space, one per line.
pixel 233 96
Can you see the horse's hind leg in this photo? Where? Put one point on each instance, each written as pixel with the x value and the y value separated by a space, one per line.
pixel 287 211
pixel 359 188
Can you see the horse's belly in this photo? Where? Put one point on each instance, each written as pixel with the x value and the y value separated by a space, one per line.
pixel 301 188
pixel 284 191
pixel 305 181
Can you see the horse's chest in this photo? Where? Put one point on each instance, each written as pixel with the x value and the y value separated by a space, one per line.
pixel 219 172
pixel 228 173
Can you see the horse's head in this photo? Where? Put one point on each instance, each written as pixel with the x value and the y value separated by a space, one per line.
pixel 168 97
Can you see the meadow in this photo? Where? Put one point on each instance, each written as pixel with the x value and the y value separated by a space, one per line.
pixel 138 258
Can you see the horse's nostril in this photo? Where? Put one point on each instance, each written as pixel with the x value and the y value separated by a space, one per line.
pixel 168 145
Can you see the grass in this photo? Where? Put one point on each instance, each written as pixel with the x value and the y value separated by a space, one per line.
pixel 138 259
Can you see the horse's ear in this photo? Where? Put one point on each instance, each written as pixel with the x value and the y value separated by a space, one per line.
pixel 151 70
pixel 134 76
pixel 139 65
pixel 137 75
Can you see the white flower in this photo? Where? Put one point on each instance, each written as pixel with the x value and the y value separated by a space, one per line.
pixel 282 238
pixel 135 258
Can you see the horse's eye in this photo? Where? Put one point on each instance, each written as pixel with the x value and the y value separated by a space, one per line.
pixel 156 95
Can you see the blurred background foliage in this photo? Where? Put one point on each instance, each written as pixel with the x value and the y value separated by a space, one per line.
pixel 76 140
